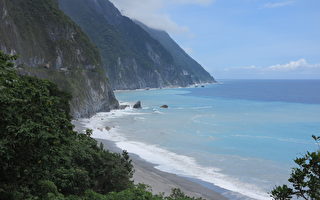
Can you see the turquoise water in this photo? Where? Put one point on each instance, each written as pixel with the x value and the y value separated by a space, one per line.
pixel 239 135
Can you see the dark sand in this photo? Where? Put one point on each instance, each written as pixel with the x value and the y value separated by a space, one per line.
pixel 161 182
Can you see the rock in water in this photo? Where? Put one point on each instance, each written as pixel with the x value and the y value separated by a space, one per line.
pixel 122 107
pixel 137 105
pixel 164 106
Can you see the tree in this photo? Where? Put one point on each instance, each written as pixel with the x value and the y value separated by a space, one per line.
pixel 38 144
pixel 305 178
pixel 42 158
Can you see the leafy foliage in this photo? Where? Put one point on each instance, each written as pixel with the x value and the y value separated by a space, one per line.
pixel 142 192
pixel 44 27
pixel 305 179
pixel 130 54
pixel 38 144
pixel 42 158
pixel 177 194
pixel 51 46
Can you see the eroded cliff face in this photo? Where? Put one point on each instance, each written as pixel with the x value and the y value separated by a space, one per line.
pixel 181 59
pixel 133 59
pixel 51 46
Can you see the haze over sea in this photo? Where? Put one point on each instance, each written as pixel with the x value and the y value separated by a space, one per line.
pixel 240 135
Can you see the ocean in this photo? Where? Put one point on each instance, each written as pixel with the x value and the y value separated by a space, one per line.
pixel 237 135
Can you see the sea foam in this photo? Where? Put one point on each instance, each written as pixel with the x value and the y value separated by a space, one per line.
pixel 166 160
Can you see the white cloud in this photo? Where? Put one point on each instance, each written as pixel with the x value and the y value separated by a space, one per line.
pixel 293 65
pixel 297 65
pixel 294 69
pixel 278 4
pixel 153 14
pixel 250 67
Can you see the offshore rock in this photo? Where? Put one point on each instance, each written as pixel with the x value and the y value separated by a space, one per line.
pixel 122 107
pixel 137 105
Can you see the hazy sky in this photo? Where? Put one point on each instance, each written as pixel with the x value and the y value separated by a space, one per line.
pixel 240 38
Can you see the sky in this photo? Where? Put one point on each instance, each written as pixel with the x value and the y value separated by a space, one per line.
pixel 240 39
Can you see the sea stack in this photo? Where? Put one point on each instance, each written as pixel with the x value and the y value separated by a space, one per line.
pixel 137 105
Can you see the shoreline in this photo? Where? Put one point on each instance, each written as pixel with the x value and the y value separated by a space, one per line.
pixel 156 136
pixel 167 87
pixel 161 182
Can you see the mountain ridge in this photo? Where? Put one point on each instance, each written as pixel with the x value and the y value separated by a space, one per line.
pixel 53 47
pixel 181 58
pixel 132 58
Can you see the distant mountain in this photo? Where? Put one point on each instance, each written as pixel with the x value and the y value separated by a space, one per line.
pixel 53 47
pixel 180 57
pixel 133 57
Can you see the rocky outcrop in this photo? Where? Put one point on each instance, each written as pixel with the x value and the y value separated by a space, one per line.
pixel 122 107
pixel 53 47
pixel 132 57
pixel 137 105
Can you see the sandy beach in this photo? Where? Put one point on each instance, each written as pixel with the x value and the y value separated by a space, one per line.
pixel 161 182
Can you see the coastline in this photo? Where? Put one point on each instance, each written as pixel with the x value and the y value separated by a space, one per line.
pixel 169 87
pixel 160 182
pixel 192 151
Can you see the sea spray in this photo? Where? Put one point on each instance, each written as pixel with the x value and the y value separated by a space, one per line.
pixel 245 143
pixel 165 160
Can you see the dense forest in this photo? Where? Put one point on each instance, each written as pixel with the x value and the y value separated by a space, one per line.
pixel 43 158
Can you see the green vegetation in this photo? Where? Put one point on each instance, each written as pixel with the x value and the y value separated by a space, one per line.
pixel 43 158
pixel 305 179
pixel 181 59
pixel 53 47
pixel 44 27
pixel 113 34
pixel 39 148
pixel 117 37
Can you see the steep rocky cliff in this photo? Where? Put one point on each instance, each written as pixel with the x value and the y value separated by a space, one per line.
pixel 180 57
pixel 133 59
pixel 53 47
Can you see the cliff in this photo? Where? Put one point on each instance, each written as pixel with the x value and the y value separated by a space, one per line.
pixel 53 47
pixel 131 56
pixel 181 59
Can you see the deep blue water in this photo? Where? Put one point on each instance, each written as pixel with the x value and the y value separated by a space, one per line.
pixel 241 135
pixel 295 91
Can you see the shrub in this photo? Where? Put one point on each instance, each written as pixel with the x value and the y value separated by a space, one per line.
pixel 37 143
pixel 305 178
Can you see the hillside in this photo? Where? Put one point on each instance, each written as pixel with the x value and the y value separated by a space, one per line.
pixel 133 59
pixel 55 48
pixel 180 57
pixel 43 158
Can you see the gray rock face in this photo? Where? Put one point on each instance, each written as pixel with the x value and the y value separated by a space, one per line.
pixel 122 107
pixel 51 46
pixel 182 60
pixel 137 105
pixel 132 57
